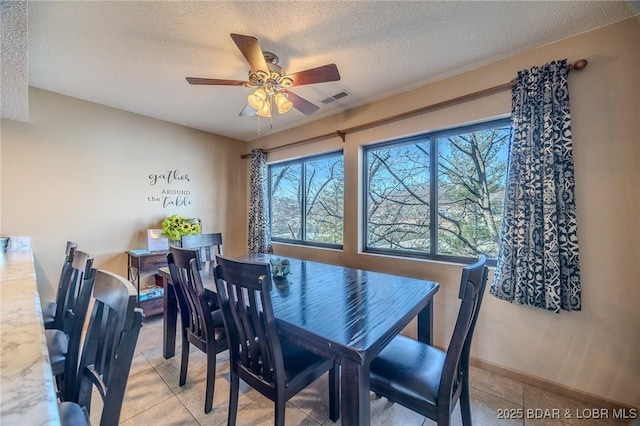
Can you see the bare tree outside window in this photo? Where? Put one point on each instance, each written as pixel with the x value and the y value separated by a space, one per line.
pixel 314 186
pixel 472 171
pixel 398 197
pixel 455 179
pixel 286 201
pixel 324 200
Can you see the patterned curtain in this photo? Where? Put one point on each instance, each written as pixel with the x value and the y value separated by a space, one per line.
pixel 259 228
pixel 538 262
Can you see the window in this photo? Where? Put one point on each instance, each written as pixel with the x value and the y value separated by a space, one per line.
pixel 306 200
pixel 438 195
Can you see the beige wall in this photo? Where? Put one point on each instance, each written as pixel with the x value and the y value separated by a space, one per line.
pixel 596 350
pixel 80 171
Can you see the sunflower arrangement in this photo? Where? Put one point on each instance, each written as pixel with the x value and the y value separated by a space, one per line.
pixel 174 227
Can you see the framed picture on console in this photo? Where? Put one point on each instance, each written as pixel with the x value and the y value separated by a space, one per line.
pixel 155 240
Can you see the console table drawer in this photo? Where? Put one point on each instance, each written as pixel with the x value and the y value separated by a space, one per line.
pixel 153 262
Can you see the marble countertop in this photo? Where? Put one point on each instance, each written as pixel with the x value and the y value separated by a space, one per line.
pixel 27 393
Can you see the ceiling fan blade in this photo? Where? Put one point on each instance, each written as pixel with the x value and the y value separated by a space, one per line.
pixel 247 111
pixel 301 104
pixel 251 51
pixel 215 81
pixel 315 75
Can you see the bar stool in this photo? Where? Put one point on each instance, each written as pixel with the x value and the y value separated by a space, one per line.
pixel 107 353
pixel 64 343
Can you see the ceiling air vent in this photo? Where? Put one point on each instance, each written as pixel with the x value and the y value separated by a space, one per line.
pixel 334 97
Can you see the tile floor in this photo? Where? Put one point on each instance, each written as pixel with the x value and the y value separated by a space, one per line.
pixel 153 397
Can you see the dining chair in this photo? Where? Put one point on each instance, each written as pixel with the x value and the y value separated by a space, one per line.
pixel 52 312
pixel 209 246
pixel 64 344
pixel 109 345
pixel 274 367
pixel 426 379
pixel 201 326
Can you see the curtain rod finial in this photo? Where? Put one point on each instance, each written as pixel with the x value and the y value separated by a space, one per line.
pixel 579 64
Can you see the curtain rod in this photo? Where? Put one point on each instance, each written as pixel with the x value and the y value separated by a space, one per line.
pixel 578 65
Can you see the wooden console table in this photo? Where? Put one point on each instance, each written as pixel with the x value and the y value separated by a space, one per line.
pixel 140 261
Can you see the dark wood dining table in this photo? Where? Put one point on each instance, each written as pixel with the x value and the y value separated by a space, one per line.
pixel 344 314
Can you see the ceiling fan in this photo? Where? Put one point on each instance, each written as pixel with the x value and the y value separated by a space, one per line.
pixel 270 81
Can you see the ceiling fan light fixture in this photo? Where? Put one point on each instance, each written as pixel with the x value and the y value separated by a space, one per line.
pixel 283 103
pixel 265 109
pixel 270 82
pixel 257 99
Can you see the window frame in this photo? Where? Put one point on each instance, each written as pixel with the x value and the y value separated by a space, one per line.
pixel 303 220
pixel 430 137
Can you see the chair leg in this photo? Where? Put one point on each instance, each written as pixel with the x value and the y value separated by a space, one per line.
pixel 233 399
pixel 444 414
pixel 184 363
pixel 465 403
pixel 334 393
pixel 68 382
pixel 211 380
pixel 280 405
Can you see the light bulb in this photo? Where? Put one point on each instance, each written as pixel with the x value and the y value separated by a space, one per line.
pixel 265 109
pixel 257 99
pixel 284 105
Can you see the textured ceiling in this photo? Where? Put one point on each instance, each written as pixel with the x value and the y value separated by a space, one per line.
pixel 14 78
pixel 135 55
